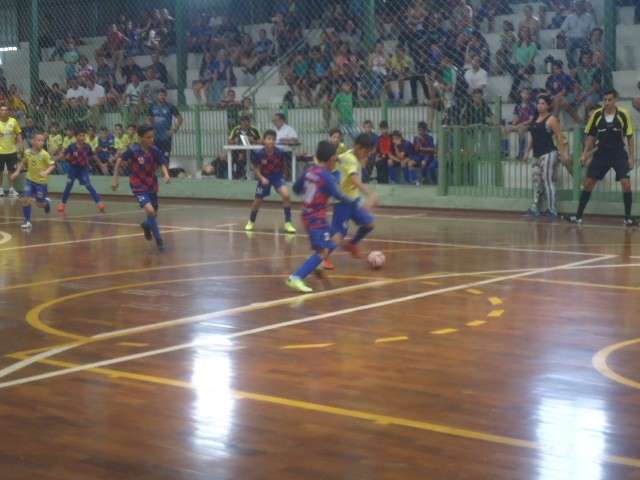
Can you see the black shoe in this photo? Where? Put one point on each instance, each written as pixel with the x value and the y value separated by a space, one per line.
pixel 161 245
pixel 147 232
pixel 573 219
pixel 631 222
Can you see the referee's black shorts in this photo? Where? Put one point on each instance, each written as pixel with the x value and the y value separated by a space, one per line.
pixel 605 160
pixel 10 160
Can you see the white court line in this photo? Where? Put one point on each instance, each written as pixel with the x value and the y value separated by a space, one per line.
pixel 279 325
pixel 5 237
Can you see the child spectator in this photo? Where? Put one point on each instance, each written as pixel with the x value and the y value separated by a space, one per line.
pixel 424 154
pixel 400 68
pixel 54 141
pixel 367 127
pixel 121 139
pixel 560 86
pixel 343 105
pixel 105 151
pixel 477 112
pixel 504 55
pixel 92 137
pixel 523 114
pixel 383 153
pixel 400 158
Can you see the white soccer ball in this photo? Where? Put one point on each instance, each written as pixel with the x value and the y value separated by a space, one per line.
pixel 376 259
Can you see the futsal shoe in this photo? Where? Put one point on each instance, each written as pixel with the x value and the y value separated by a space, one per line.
pixel 289 228
pixel 47 206
pixel 631 222
pixel 295 283
pixel 102 208
pixel 328 265
pixel 551 212
pixel 353 249
pixel 532 212
pixel 26 226
pixel 161 246
pixel 61 208
pixel 147 231
pixel 573 219
pixel 250 226
pixel 12 193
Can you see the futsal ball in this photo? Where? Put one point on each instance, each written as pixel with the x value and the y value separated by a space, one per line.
pixel 376 259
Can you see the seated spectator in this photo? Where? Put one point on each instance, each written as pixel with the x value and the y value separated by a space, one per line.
pixel 523 114
pixel 531 22
pixel 95 98
pixel 449 80
pixel 477 112
pixel 560 86
pixel 132 97
pixel 577 27
pixel 150 87
pixel 400 159
pixel 71 58
pixel 84 69
pixel 478 46
pixel 231 104
pixel 41 102
pixel 297 77
pixel 351 36
pixel 424 154
pixel 76 112
pixel 526 49
pixel 75 90
pixel 264 51
pixel 400 66
pixel 251 135
pixel 319 76
pixel 199 35
pixel 557 20
pixel 588 84
pixel 245 52
pixel 604 72
pixel 56 97
pixel 285 134
pixel 596 41
pixel 115 45
pixel 522 79
pixel 121 140
pixel 461 15
pixel 105 75
pixel 131 68
pixel 221 77
pixel 201 86
pixel 54 141
pixel 504 55
pixel 92 137
pixel 477 78
pixel 489 10
pixel 347 69
pixel 636 101
pixel 367 127
pixel 378 70
pixel 383 153
pixel 161 70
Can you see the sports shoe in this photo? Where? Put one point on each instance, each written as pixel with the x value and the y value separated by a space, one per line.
pixel 297 284
pixel 551 212
pixel 1 192
pixel 26 226
pixel 102 207
pixel 573 219
pixel 61 207
pixel 353 249
pixel 288 228
pixel 47 206
pixel 147 232
pixel 13 193
pixel 161 245
pixel 328 265
pixel 532 212
pixel 631 222
pixel 249 227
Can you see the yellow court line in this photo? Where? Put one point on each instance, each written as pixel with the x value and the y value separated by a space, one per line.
pixel 475 323
pixel 443 331
pixel 495 301
pixel 599 362
pixel 495 313
pixel 430 283
pixel 307 346
pixel 133 344
pixel 474 291
pixel 342 412
pixel 391 339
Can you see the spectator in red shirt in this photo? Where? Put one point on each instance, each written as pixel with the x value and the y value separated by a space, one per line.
pixel 383 152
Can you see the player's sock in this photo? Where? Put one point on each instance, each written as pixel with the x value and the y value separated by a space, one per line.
pixel 93 193
pixel 287 214
pixel 627 203
pixel 584 199
pixel 309 266
pixel 67 191
pixel 362 232
pixel 253 216
pixel 153 226
pixel 26 211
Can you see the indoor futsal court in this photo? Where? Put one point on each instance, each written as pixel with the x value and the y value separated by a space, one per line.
pixel 487 347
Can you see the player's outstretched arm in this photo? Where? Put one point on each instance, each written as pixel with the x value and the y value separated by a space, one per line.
pixel 116 170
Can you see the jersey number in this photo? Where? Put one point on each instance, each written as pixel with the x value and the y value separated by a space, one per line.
pixel 310 190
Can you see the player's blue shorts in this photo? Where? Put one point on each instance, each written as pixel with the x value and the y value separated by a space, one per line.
pixel 276 181
pixel 147 197
pixel 80 173
pixel 320 238
pixel 343 212
pixel 39 191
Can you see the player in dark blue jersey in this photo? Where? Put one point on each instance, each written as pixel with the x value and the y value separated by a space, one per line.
pixel 105 151
pixel 162 114
pixel 317 185
pixel 268 165
pixel 78 155
pixel 144 160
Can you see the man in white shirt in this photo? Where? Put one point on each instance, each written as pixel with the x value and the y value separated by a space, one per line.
pixel 577 27
pixel 285 134
pixel 75 91
pixel 94 93
pixel 477 77
pixel 133 92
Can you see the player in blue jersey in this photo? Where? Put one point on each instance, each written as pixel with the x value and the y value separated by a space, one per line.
pixel 144 159
pixel 161 114
pixel 78 156
pixel 268 165
pixel 318 186
pixel 105 151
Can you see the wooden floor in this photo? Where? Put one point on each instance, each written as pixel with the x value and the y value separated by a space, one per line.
pixel 488 347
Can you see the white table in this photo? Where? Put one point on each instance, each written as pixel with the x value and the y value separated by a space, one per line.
pixel 231 148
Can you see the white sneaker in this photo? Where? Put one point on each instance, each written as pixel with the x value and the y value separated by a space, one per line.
pixel 1 192
pixel 13 193
pixel 26 226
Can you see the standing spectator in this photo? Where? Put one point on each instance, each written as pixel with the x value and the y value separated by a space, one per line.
pixel 596 41
pixel 42 100
pixel 248 131
pixel 523 114
pixel 131 68
pixel 105 75
pixel 378 68
pixel 478 46
pixel 343 105
pixel 401 66
pixel 96 99
pixel 367 127
pixel 577 27
pixel 298 77
pixel 531 22
pixel 461 15
pixel 319 75
pixel 561 88
pixel 232 106
pixel 285 134
pixel 221 76
pixel 476 77
pixel 199 35
pixel 71 58
pixel 75 90
pixel 29 131
pixel 162 114
pixel 115 44
pixel 526 49
pixel 604 72
pixel 351 36
pixel 383 153
pixel 588 83
pixel 201 86
pixel 150 87
pixel 10 143
pixel 132 97
pixel 477 112
pixel 245 52
pixel 504 55
pixel 424 154
pixel 161 70
pixel 263 53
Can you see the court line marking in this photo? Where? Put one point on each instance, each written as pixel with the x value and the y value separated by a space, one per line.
pixel 476 323
pixel 307 346
pixel 342 412
pixel 599 362
pixel 443 331
pixel 495 313
pixel 495 301
pixel 391 339
pixel 5 237
pixel 253 331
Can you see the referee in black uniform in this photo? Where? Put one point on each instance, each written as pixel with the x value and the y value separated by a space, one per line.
pixel 609 131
